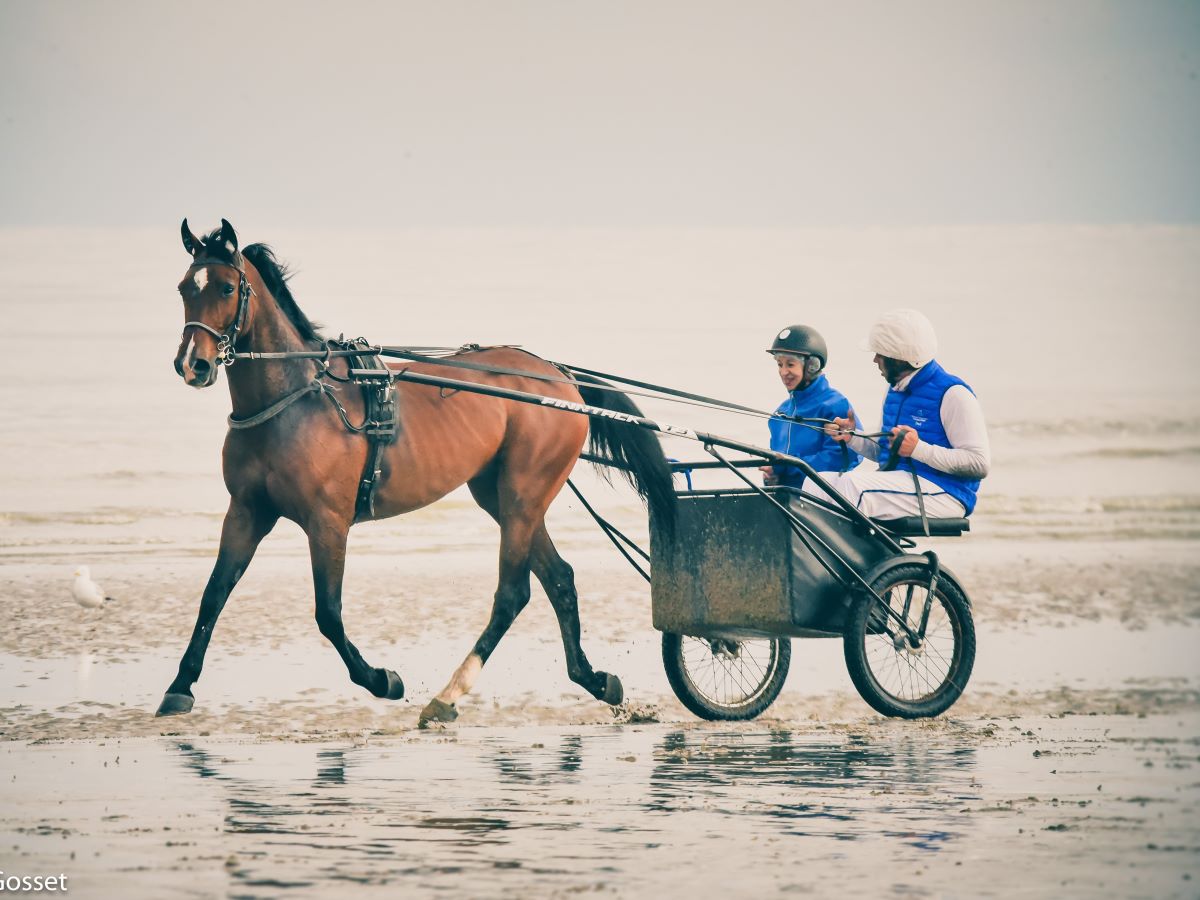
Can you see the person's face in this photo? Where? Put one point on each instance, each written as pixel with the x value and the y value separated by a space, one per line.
pixel 791 370
pixel 892 369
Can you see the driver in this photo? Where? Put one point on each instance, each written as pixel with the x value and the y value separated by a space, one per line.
pixel 935 417
pixel 801 355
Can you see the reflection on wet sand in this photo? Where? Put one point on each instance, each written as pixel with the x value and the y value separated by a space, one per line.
pixel 620 808
pixel 1043 806
pixel 842 785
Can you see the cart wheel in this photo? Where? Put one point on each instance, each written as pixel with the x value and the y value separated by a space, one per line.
pixel 725 680
pixel 893 676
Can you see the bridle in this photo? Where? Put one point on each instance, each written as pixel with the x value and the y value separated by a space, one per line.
pixel 227 337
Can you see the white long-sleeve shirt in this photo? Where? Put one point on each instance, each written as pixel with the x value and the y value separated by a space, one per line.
pixel 969 453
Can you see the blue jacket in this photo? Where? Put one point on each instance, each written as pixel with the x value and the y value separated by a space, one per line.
pixel 920 407
pixel 823 453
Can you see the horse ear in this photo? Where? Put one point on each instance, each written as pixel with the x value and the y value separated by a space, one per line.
pixel 228 237
pixel 191 243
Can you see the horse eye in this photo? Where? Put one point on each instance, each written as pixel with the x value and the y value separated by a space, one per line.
pixel 227 290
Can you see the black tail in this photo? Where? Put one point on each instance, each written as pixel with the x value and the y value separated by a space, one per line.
pixel 634 451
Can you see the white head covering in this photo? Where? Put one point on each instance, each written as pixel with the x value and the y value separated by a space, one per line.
pixel 903 334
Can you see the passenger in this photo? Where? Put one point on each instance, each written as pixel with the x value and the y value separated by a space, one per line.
pixel 801 355
pixel 934 415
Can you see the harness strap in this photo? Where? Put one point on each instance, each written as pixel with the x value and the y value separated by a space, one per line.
pixel 920 502
pixel 893 462
pixel 380 422
pixel 218 335
pixel 279 406
pixel 614 534
pixel 314 386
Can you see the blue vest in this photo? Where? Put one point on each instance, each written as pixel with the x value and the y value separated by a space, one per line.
pixel 823 453
pixel 920 407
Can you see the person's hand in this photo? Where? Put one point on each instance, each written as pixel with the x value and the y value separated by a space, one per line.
pixel 769 476
pixel 841 429
pixel 908 439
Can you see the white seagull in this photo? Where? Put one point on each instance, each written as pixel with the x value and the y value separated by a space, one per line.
pixel 85 591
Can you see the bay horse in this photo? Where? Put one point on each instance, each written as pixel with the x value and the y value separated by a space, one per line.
pixel 304 464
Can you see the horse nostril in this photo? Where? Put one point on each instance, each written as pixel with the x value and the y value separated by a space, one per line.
pixel 179 367
pixel 200 368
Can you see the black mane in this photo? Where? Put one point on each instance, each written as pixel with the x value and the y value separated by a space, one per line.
pixel 275 275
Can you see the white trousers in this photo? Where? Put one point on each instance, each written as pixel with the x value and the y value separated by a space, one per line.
pixel 888 495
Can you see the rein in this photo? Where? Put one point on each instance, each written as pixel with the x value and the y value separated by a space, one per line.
pixel 441 356
pixel 660 392
pixel 379 423
pixel 227 354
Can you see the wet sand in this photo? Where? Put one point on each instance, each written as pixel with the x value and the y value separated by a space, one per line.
pixel 1089 628
pixel 1068 767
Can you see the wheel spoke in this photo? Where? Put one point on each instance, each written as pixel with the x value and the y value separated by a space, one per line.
pixel 905 674
pixel 726 678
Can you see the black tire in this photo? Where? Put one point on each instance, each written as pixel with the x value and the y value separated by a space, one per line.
pixel 903 682
pixel 722 680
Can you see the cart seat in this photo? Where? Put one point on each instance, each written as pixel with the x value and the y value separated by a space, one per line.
pixel 912 526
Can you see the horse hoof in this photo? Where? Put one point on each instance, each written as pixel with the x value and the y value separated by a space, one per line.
pixel 613 692
pixel 175 704
pixel 437 711
pixel 395 687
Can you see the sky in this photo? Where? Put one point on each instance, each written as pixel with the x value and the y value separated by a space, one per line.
pixel 599 114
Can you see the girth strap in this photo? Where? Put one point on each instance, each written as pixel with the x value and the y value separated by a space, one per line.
pixel 380 424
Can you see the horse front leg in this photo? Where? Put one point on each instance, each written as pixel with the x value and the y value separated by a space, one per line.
pixel 327 546
pixel 243 530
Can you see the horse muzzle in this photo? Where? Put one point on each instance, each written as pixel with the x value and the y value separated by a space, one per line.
pixel 198 359
pixel 197 372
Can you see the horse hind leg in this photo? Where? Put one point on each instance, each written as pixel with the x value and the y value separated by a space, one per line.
pixel 512 595
pixel 558 580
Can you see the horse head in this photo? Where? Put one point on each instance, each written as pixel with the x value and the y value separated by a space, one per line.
pixel 216 299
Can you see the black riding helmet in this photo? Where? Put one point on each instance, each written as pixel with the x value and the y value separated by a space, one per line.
pixel 800 340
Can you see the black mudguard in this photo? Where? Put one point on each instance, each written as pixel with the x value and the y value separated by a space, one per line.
pixel 920 559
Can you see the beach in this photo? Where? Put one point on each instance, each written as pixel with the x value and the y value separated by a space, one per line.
pixel 1069 765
